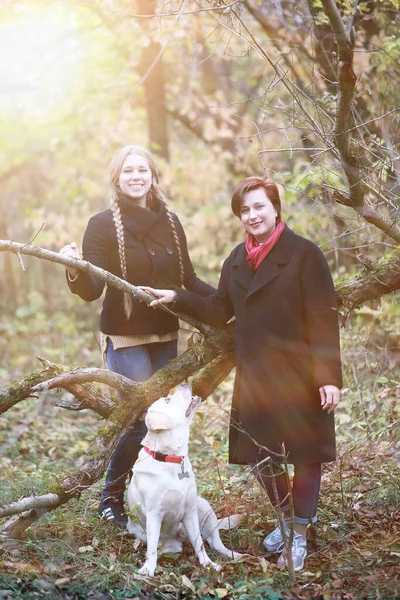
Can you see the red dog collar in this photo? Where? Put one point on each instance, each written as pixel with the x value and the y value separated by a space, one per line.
pixel 164 457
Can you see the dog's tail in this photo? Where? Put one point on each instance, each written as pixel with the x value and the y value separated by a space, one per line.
pixel 210 526
pixel 230 522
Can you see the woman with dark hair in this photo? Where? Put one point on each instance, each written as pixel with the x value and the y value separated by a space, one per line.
pixel 288 370
pixel 140 240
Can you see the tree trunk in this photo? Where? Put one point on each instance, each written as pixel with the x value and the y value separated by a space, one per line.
pixel 151 66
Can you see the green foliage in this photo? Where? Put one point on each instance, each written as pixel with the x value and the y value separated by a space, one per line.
pixel 78 102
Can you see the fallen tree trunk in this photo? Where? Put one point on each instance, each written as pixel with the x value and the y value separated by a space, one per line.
pixel 211 358
pixel 208 362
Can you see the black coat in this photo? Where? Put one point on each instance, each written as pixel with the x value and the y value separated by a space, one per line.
pixel 287 346
pixel 151 258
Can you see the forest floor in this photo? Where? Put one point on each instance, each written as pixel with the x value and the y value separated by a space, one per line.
pixel 353 552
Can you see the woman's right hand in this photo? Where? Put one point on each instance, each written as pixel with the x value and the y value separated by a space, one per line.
pixel 163 296
pixel 71 250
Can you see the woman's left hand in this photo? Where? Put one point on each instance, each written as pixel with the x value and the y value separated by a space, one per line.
pixel 330 397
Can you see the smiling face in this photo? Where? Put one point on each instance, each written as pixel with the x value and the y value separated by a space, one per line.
pixel 258 215
pixel 135 178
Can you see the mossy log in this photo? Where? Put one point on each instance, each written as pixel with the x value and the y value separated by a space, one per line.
pixel 208 362
pixel 371 283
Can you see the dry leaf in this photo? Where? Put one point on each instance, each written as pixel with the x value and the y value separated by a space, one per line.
pixel 136 544
pixel 264 565
pixel 187 583
pixel 221 592
pixel 62 580
pixel 84 549
pixel 21 566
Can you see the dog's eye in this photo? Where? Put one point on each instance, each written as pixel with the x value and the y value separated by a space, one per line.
pixel 167 399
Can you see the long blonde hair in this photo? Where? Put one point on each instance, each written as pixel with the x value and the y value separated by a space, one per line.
pixel 154 195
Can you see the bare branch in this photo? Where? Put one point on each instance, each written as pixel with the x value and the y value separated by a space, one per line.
pixel 23 389
pixel 45 501
pixel 89 269
pixel 114 380
pixel 178 13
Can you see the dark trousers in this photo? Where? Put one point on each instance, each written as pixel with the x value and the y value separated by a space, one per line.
pixel 305 489
pixel 138 363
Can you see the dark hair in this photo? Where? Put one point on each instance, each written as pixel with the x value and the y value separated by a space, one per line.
pixel 254 183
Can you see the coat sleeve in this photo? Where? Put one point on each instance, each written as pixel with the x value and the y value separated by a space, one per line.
pixel 96 251
pixel 321 317
pixel 191 281
pixel 215 310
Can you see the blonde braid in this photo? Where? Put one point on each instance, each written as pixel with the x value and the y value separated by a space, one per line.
pixel 176 242
pixel 119 228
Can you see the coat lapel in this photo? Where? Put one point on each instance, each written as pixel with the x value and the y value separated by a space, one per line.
pixel 269 268
pixel 242 273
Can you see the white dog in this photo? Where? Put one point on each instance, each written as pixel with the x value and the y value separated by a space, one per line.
pixel 162 494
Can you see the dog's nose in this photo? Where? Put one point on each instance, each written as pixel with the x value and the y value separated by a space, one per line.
pixel 193 406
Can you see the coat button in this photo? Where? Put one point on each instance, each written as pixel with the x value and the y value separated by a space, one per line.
pixel 169 250
pixel 152 252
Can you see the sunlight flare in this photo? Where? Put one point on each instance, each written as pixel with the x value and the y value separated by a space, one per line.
pixel 42 56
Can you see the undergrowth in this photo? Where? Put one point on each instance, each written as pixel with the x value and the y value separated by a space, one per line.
pixel 353 551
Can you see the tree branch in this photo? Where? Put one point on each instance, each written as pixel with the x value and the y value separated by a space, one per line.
pixel 346 86
pixel 89 269
pixel 381 278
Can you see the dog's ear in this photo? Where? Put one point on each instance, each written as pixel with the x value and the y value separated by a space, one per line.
pixel 156 420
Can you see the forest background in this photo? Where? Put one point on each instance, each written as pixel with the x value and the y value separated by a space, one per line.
pixel 305 92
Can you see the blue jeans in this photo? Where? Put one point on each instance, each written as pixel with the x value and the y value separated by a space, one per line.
pixel 305 489
pixel 138 363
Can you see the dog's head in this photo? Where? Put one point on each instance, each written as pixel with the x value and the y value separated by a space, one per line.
pixel 173 411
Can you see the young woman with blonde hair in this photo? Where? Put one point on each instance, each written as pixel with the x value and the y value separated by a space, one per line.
pixel 141 241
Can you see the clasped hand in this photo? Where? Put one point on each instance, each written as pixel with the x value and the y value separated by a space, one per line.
pixel 71 250
pixel 162 296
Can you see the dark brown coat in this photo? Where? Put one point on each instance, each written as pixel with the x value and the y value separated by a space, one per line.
pixel 287 346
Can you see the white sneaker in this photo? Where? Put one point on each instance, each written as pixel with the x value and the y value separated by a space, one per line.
pixel 274 541
pixel 299 552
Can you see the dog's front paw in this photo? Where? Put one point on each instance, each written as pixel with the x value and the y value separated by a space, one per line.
pixel 147 569
pixel 213 565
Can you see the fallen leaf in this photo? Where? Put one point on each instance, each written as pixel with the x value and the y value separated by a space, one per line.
pixel 62 580
pixel 136 544
pixel 311 534
pixel 84 549
pixel 187 583
pixel 338 583
pixel 264 565
pixel 20 566
pixel 365 552
pixel 221 592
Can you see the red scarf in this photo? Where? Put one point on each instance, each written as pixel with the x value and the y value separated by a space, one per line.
pixel 257 252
